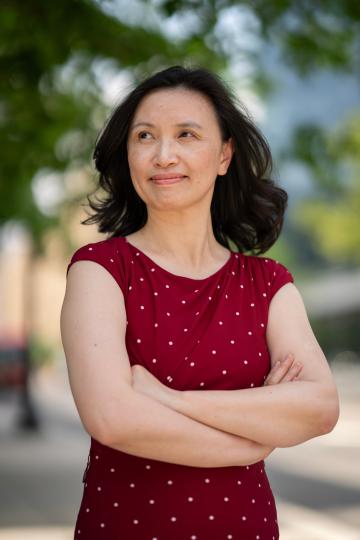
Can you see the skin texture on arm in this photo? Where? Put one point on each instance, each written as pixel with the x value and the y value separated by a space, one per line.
pixel 93 323
pixel 277 415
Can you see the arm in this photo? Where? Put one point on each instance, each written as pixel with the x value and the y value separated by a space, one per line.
pixel 276 415
pixel 93 323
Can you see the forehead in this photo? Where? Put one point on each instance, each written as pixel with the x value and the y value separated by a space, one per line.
pixel 175 104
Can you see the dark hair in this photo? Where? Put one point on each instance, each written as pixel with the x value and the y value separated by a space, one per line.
pixel 247 207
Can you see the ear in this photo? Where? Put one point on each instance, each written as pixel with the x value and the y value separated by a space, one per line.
pixel 226 155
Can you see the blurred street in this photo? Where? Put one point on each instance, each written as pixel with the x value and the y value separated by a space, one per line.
pixel 317 484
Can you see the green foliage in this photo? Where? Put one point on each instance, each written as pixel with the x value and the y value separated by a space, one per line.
pixel 333 216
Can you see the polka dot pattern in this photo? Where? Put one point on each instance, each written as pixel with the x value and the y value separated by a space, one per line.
pixel 214 329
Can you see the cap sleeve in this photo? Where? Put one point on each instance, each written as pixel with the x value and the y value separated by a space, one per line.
pixel 105 253
pixel 279 276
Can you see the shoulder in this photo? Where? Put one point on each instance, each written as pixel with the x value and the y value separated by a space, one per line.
pixel 109 253
pixel 267 272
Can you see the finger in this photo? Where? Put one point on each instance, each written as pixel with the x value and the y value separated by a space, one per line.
pixel 292 372
pixel 279 370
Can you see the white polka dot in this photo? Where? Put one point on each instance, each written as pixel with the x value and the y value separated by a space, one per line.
pixel 148 466
pixel 88 510
pixel 116 504
pixel 232 341
pixel 229 536
pixel 142 307
pixel 209 297
pixel 90 249
pixel 138 340
pixel 211 517
pixel 112 470
pixel 153 269
pixel 213 352
pixel 167 286
pixel 265 519
pixel 185 329
pixel 245 361
pixel 154 360
pixel 250 333
pixel 264 293
pixel 112 260
pixel 132 485
pixel 207 480
pixel 253 501
pixel 224 372
pixel 252 305
pixel 168 314
pixel 192 364
pixel 135 521
pixel 96 457
pixel 173 518
pixel 220 322
pixel 243 518
pixel 226 499
pixel 171 343
pixel 183 301
pixel 202 384
pixel 99 488
pixel 102 525
pixel 193 537
pixel 237 313
pixel 156 325
pixel 151 501
pixel 169 482
pixel 156 293
pixel 262 325
pixel 190 499
pixel 239 482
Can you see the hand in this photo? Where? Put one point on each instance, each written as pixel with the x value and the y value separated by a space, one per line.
pixel 146 383
pixel 284 371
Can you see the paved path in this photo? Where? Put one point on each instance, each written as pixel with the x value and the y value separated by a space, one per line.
pixel 316 484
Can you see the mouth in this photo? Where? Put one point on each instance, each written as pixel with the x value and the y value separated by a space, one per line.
pixel 168 179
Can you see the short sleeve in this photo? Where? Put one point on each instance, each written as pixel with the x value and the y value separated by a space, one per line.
pixel 106 253
pixel 279 276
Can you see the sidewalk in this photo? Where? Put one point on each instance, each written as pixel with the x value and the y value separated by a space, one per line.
pixel 316 484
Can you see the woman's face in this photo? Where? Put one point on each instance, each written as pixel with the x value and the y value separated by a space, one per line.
pixel 175 132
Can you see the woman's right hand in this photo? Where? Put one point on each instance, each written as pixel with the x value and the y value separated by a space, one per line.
pixel 286 370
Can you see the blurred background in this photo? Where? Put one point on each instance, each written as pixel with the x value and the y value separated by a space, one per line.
pixel 295 66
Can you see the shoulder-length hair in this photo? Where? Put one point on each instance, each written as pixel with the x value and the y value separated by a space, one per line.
pixel 247 207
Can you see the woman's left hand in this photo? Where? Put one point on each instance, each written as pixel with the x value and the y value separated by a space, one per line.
pixel 146 383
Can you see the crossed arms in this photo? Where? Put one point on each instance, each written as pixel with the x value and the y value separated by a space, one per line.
pixel 128 409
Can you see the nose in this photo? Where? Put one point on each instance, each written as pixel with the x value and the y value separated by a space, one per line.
pixel 165 153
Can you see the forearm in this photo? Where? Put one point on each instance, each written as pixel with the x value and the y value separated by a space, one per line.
pixel 154 431
pixel 277 416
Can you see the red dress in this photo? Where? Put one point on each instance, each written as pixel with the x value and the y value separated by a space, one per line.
pixel 192 334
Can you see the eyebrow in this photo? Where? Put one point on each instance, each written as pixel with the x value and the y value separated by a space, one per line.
pixel 181 124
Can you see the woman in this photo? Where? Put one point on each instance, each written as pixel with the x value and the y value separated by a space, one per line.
pixel 189 362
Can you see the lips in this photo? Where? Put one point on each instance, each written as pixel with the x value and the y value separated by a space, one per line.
pixel 167 178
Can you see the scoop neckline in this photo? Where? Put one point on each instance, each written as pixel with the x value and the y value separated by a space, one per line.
pixel 221 269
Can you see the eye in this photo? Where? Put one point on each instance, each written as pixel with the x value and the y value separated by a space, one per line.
pixel 189 132
pixel 142 133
